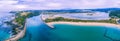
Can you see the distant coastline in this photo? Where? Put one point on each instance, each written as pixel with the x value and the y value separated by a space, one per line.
pixel 50 24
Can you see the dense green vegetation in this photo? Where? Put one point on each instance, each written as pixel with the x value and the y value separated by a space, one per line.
pixel 20 19
pixel 77 20
pixel 18 23
pixel 32 13
pixel 115 13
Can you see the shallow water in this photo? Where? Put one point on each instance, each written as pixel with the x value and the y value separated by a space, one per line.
pixel 4 35
pixel 65 32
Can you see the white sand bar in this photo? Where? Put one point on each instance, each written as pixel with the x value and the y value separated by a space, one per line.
pixel 84 23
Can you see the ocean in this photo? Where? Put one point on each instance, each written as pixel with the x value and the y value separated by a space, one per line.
pixel 4 28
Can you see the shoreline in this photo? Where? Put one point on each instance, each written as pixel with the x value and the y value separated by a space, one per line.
pixel 50 24
pixel 18 36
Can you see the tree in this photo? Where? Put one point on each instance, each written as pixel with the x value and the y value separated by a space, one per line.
pixel 115 14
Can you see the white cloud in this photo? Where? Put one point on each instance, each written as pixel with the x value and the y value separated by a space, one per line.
pixel 33 0
pixel 8 2
pixel 58 4
pixel 92 4
pixel 53 5
pixel 21 6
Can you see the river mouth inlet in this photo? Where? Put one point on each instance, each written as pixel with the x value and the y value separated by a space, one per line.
pixel 39 31
pixel 66 32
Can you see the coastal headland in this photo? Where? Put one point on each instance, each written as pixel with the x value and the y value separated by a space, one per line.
pixel 18 36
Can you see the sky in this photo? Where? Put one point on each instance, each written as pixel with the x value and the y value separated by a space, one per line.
pixel 57 4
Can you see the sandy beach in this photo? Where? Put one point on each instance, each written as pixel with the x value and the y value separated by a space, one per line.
pixel 19 35
pixel 84 23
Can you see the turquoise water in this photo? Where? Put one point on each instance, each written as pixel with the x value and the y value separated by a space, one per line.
pixel 78 33
pixel 5 29
pixel 38 31
pixel 65 32
pixel 4 35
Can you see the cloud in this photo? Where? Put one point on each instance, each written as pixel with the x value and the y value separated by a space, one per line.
pixel 8 2
pixel 33 0
pixel 53 4
pixel 57 4
pixel 21 6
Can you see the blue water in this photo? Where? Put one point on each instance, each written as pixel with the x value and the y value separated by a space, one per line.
pixel 5 29
pixel 38 31
pixel 4 35
pixel 65 32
